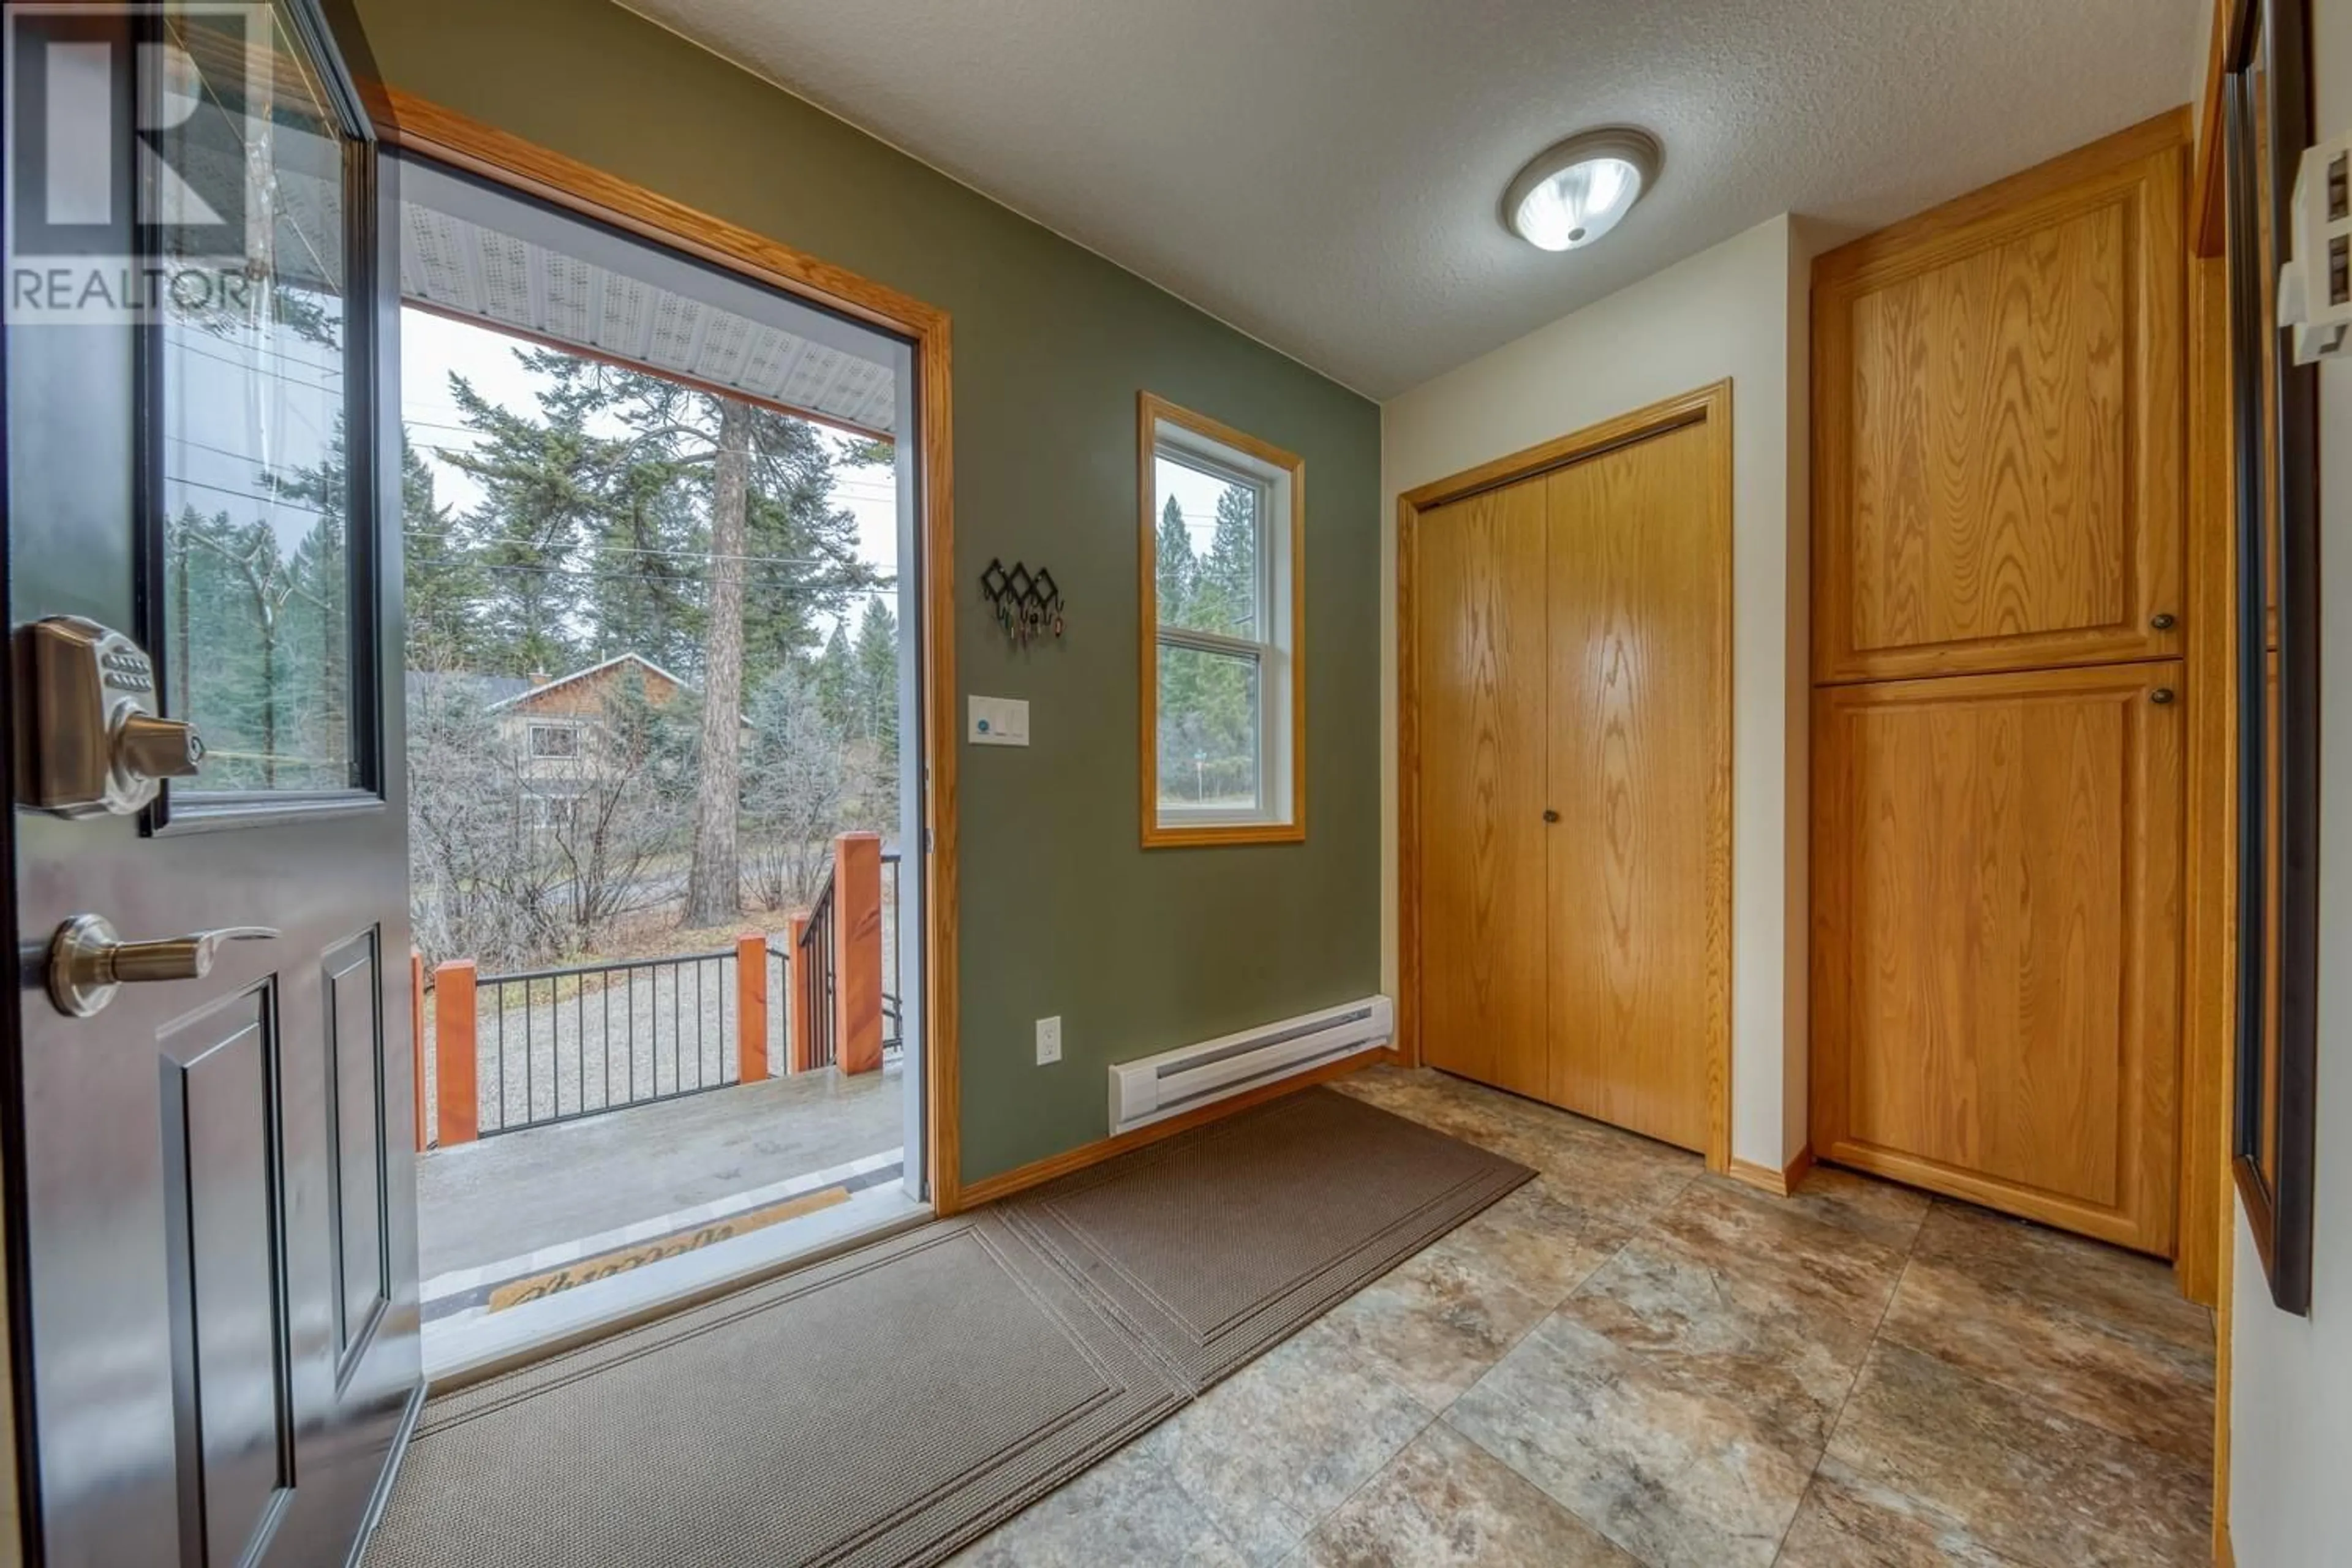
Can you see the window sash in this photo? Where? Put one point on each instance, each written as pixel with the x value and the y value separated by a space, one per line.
pixel 1260 544
pixel 1179 450
pixel 554 741
pixel 1261 659
pixel 1215 642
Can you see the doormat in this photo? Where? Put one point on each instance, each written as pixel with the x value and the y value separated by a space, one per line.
pixel 892 1405
pixel 677 1244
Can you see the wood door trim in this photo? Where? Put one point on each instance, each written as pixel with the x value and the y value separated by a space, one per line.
pixel 1710 405
pixel 2139 170
pixel 2207 214
pixel 2209 863
pixel 418 125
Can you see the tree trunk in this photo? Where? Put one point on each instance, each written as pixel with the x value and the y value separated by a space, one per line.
pixel 714 884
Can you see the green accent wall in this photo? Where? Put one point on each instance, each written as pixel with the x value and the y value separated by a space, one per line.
pixel 1061 912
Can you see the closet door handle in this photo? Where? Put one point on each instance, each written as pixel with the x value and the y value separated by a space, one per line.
pixel 1552 817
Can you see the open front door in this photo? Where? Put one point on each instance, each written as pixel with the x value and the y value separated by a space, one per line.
pixel 212 1286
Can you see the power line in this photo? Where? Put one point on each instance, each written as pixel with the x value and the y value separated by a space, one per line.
pixel 276 377
pixel 873 489
pixel 277 501
pixel 582 574
pixel 247 456
pixel 681 555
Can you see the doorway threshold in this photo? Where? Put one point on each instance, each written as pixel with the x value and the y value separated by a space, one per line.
pixel 569 1312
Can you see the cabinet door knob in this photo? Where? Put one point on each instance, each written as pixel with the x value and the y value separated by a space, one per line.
pixel 2161 696
pixel 1552 817
pixel 2162 621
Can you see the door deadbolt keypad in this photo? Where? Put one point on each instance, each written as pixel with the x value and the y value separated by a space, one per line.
pixel 92 740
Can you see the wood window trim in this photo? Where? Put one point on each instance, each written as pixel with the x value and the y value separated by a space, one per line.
pixel 1150 411
pixel 419 126
pixel 1709 405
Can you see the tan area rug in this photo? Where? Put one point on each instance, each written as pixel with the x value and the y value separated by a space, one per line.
pixel 893 1406
pixel 1215 1246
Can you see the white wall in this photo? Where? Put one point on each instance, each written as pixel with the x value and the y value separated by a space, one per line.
pixel 1739 311
pixel 2291 1387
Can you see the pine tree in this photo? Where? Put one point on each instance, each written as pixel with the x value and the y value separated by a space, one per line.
pixel 875 678
pixel 648 568
pixel 1226 591
pixel 309 626
pixel 542 480
pixel 1174 567
pixel 222 660
pixel 442 583
pixel 835 679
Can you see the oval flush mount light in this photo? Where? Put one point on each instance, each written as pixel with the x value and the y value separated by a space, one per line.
pixel 1572 193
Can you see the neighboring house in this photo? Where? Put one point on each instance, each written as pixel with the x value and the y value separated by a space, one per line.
pixel 555 726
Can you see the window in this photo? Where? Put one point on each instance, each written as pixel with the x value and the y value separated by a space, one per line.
pixel 554 740
pixel 1223 588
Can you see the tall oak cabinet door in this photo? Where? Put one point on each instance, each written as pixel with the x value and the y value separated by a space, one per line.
pixel 1479 576
pixel 1997 905
pixel 1997 426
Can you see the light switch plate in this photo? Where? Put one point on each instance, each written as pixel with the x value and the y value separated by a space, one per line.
pixel 999 721
pixel 1049 1040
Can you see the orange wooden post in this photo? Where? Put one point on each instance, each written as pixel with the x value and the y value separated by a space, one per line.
pixel 800 1038
pixel 857 952
pixel 752 1006
pixel 455 1060
pixel 417 1047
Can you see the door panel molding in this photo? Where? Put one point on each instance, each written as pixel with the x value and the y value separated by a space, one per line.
pixel 1709 407
pixel 223 1194
pixel 358 1145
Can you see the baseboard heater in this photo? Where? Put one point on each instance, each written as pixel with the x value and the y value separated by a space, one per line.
pixel 1183 1080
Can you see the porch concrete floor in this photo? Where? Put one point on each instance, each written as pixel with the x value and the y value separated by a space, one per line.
pixel 509 1195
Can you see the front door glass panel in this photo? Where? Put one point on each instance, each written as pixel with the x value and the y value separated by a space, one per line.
pixel 257 582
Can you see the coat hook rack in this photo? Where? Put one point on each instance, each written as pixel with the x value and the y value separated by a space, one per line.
pixel 1027 604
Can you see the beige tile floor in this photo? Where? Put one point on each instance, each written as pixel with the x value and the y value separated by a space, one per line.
pixel 1631 1362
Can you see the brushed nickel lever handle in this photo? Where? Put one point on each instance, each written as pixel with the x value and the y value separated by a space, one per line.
pixel 88 960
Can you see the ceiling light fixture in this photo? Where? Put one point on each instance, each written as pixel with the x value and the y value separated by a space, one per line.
pixel 1572 193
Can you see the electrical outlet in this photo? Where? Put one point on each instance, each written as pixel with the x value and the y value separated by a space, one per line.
pixel 1049 1040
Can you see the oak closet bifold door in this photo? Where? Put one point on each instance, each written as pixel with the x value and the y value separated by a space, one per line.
pixel 1574 796
pixel 2000 710
pixel 1637 864
pixel 1483 890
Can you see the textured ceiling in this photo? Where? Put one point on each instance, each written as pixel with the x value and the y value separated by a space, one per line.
pixel 1325 174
